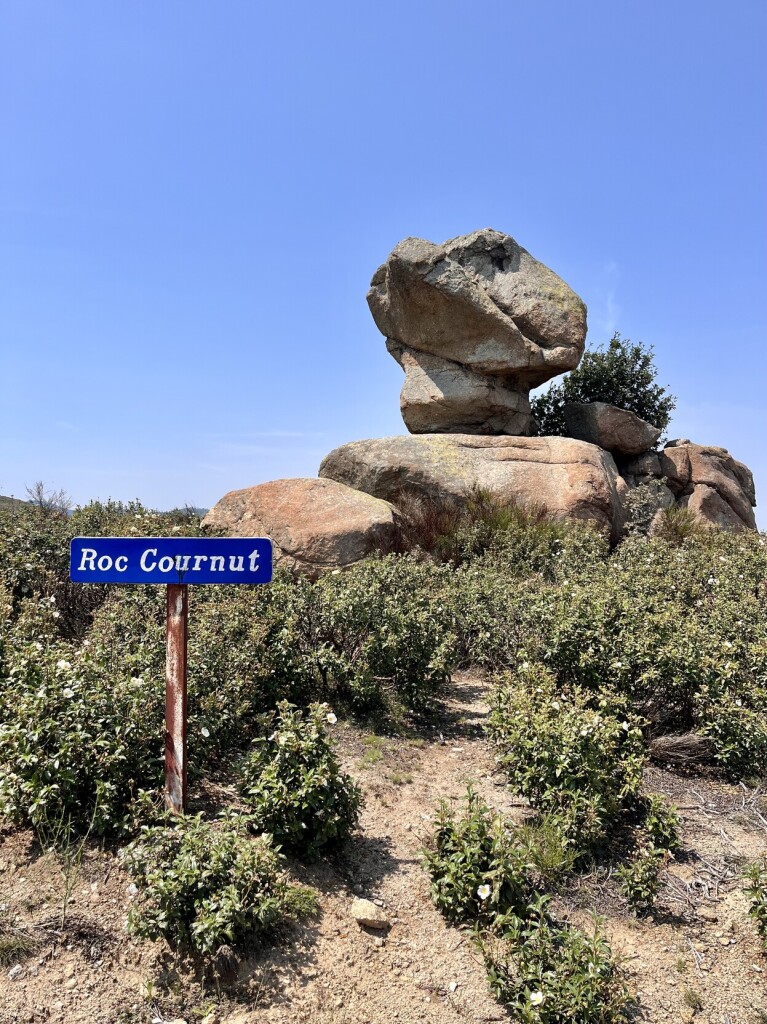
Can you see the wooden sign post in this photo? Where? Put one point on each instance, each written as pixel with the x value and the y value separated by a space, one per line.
pixel 176 624
pixel 176 562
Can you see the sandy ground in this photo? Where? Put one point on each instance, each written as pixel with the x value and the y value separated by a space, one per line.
pixel 697 958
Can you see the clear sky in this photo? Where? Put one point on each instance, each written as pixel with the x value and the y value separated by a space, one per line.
pixel 194 197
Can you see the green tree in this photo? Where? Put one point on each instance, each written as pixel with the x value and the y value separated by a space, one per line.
pixel 622 374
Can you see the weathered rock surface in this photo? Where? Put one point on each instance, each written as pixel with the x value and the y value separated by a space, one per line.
pixel 439 396
pixel 482 307
pixel 703 478
pixel 315 525
pixel 616 430
pixel 570 478
pixel 694 471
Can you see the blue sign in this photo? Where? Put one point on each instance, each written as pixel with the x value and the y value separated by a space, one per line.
pixel 170 560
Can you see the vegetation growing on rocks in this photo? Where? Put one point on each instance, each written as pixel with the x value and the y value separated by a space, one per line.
pixel 623 374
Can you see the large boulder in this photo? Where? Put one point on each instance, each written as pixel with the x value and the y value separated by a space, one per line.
pixel 314 525
pixel 616 430
pixel 706 478
pixel 571 479
pixel 443 397
pixel 491 318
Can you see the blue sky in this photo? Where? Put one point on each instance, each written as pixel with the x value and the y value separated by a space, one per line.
pixel 194 197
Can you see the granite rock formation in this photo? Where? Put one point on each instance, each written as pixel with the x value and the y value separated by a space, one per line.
pixel 704 478
pixel 475 323
pixel 315 525
pixel 570 479
pixel 616 430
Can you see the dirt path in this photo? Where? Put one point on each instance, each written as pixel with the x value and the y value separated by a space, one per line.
pixel 697 959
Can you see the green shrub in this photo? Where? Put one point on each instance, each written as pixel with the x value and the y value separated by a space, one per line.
pixel 34 552
pixel 75 744
pixel 476 865
pixel 547 973
pixel 294 786
pixel 677 525
pixel 573 753
pixel 756 890
pixel 676 629
pixel 622 374
pixel 661 823
pixel 202 885
pixel 377 636
pixel 641 879
pixel 548 848
pixel 736 724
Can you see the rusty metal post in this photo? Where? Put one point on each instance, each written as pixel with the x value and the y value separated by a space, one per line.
pixel 175 697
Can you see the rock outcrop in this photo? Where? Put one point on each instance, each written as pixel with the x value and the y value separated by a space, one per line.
pixel 694 471
pixel 571 479
pixel 475 323
pixel 704 478
pixel 616 430
pixel 314 525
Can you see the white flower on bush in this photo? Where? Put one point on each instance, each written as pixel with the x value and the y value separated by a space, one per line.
pixel 205 732
pixel 62 665
pixel 536 998
pixel 330 717
pixel 555 704
pixel 483 892
pixel 625 726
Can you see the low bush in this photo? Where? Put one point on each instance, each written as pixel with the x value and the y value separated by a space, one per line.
pixel 294 786
pixel 756 890
pixel 575 754
pixel 640 880
pixel 679 630
pixel 75 744
pixel 661 823
pixel 377 637
pixel 547 973
pixel 736 724
pixel 34 551
pixel 477 868
pixel 202 884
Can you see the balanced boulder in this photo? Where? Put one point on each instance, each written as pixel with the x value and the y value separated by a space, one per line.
pixel 315 525
pixel 568 478
pixel 475 323
pixel 616 430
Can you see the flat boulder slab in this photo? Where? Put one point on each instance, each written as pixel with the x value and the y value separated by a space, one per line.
pixel 315 525
pixel 616 430
pixel 568 478
pixel 710 482
pixel 484 310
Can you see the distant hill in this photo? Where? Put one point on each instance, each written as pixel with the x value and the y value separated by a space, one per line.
pixel 8 502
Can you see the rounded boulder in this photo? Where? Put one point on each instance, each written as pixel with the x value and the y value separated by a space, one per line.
pixel 315 525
